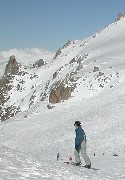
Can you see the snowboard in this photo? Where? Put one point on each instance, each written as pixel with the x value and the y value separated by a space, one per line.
pixel 74 164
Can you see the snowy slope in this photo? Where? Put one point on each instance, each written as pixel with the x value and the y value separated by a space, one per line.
pixel 30 141
pixel 101 50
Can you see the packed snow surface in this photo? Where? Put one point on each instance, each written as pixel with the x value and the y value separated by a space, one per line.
pixel 31 140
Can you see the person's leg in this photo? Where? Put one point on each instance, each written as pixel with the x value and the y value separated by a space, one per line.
pixel 77 156
pixel 84 154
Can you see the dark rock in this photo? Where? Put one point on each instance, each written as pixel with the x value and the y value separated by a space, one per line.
pixel 115 154
pixel 67 44
pixel 12 68
pixel 9 112
pixel 96 68
pixel 120 15
pixel 58 52
pixel 55 75
pixel 49 106
pixel 38 63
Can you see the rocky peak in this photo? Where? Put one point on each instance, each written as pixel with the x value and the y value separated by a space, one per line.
pixel 59 51
pixel 12 68
pixel 119 16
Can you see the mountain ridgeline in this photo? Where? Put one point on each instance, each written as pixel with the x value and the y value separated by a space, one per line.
pixel 80 69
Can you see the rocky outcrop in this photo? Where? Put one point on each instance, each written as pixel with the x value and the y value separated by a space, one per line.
pixel 9 111
pixel 59 94
pixel 62 90
pixel 59 51
pixel 4 88
pixel 55 75
pixel 57 72
pixel 120 15
pixel 12 68
pixel 49 106
pixel 67 44
pixel 96 68
pixel 38 63
pixel 6 112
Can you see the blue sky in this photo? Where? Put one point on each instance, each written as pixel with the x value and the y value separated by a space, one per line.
pixel 49 24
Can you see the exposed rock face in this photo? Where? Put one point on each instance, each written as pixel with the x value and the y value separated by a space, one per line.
pixel 62 90
pixel 55 75
pixel 59 94
pixel 67 44
pixel 96 68
pixel 120 15
pixel 4 88
pixel 49 106
pixel 53 98
pixel 8 112
pixel 12 67
pixel 59 51
pixel 38 63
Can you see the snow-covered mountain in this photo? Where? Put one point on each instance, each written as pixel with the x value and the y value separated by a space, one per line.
pixel 24 53
pixel 24 56
pixel 84 80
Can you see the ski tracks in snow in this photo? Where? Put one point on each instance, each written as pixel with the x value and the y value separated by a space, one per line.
pixel 15 165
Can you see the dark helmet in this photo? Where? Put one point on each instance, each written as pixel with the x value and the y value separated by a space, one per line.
pixel 77 123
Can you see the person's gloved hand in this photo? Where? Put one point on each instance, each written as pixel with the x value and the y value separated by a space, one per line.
pixel 77 147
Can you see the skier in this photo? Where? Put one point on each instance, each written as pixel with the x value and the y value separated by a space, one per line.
pixel 80 146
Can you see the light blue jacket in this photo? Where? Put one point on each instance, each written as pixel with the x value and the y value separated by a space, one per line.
pixel 80 136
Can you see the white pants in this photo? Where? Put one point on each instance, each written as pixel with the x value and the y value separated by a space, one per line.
pixel 83 153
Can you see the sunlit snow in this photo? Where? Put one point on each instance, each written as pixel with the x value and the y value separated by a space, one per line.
pixel 31 140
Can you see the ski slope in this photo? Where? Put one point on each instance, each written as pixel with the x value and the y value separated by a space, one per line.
pixel 30 141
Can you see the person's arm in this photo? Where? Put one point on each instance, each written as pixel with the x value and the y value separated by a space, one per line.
pixel 77 140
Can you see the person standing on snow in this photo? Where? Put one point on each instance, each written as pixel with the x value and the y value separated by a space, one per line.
pixel 80 146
